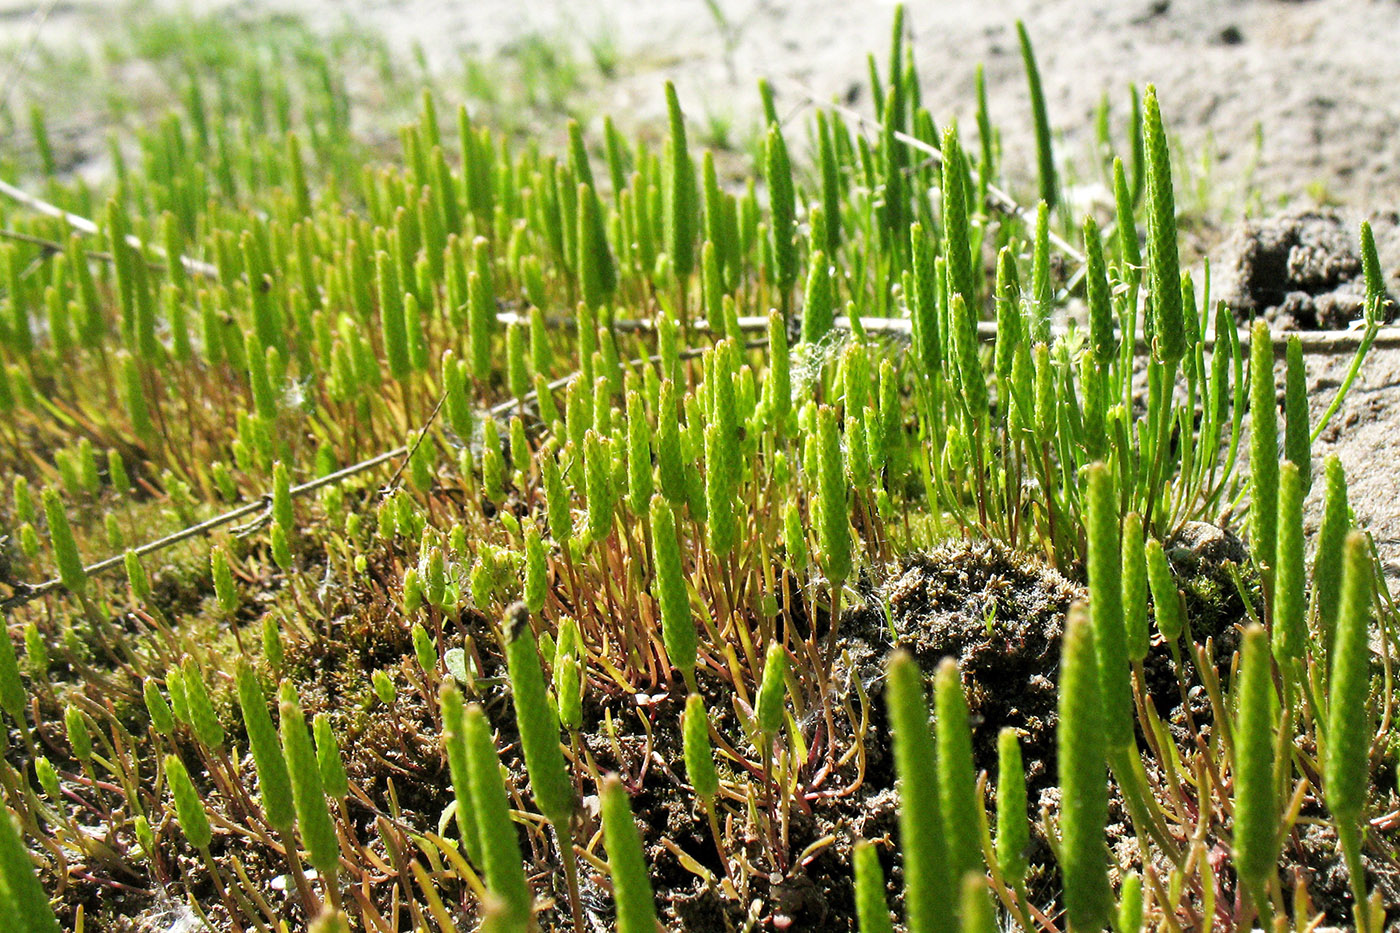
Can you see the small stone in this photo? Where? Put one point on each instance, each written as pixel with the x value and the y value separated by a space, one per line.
pixel 1206 546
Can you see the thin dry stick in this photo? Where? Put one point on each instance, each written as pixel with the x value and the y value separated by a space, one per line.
pixel 1313 342
pixel 27 593
pixel 20 60
pixel 83 225
pixel 53 247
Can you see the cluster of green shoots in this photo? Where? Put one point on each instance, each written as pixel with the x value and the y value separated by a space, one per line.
pixel 623 442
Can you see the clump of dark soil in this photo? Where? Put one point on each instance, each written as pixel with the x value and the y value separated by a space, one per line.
pixel 1205 559
pixel 1001 616
pixel 1300 271
pixel 1311 853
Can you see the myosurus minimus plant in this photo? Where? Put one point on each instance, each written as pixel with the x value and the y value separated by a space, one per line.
pixel 489 537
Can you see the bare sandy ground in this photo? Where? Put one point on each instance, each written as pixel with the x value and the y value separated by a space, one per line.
pixel 1315 78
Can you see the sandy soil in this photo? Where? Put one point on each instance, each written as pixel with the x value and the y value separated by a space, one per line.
pixel 1314 77
pixel 1293 100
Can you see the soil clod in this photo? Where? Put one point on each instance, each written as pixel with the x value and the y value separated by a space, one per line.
pixel 1300 271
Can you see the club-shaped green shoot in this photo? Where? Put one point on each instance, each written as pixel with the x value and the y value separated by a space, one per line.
pixel 136 576
pixel 681 201
pixel 481 315
pixel 1042 289
pixel 958 245
pixel 433 566
pixel 162 718
pixel 333 777
pixel 1163 268
pixel 818 301
pixel 721 491
pixel 116 473
pixel 280 546
pixel 558 508
pixel 189 808
pixel 330 921
pixel 65 546
pixel 274 781
pixel 203 720
pixel 957 776
pixel 1134 578
pixel 179 702
pixel 975 906
pixel 500 848
pixel 872 910
pixel 1256 808
pixel 79 738
pixel 424 650
pixel 193 819
pixel 700 768
pixel 539 740
pixel 777 386
pixel 535 587
pixel 36 655
pixel 923 302
pixel 699 756
pixel 677 623
pixel 782 210
pixel 1327 565
pixel 1346 768
pixel 1080 743
pixel 1106 606
pixel 273 648
pixel 222 573
pixel 391 316
pixel 772 692
pixel 455 744
pixel 598 478
pixel 13 697
pixel 1263 449
pixel 24 906
pixel 308 793
pixel 1013 827
pixel 596 274
pixel 1166 598
pixel 971 381
pixel 640 481
pixel 928 887
pixel 569 680
pixel 1290 609
pixel 1130 906
pixel 1103 340
pixel 632 892
pixel 1297 432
